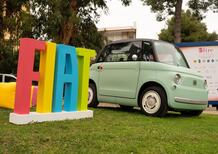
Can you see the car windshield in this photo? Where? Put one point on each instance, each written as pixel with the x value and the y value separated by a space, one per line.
pixel 169 54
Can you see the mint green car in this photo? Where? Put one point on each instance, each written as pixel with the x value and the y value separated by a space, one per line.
pixel 151 74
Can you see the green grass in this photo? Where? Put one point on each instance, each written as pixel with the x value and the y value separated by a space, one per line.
pixel 112 131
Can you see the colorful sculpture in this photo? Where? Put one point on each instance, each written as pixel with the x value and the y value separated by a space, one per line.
pixel 60 66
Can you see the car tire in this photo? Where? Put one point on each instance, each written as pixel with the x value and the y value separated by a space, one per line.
pixel 191 113
pixel 92 96
pixel 153 101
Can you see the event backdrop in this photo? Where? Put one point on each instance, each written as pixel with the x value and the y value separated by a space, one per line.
pixel 203 57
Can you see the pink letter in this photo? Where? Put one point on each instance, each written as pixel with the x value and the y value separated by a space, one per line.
pixel 25 74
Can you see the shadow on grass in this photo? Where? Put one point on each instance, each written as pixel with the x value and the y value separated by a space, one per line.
pixel 6 110
pixel 137 110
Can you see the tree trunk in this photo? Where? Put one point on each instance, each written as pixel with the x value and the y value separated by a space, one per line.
pixel 67 32
pixel 68 28
pixel 178 16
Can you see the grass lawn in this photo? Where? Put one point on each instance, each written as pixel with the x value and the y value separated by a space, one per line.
pixel 112 131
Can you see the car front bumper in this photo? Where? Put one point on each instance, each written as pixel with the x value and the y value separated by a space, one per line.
pixel 189 98
pixel 190 101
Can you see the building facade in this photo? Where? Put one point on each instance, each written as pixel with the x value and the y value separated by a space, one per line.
pixel 118 33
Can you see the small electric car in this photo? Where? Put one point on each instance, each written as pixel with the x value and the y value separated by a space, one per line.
pixel 151 74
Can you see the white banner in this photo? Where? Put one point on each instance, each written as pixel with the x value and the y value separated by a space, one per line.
pixel 204 59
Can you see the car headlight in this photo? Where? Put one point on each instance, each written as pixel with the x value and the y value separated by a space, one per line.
pixel 177 79
pixel 205 84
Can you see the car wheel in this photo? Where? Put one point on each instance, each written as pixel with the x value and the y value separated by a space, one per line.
pixel 153 101
pixel 191 113
pixel 92 96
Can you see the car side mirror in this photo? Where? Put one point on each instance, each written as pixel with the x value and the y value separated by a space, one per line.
pixel 134 57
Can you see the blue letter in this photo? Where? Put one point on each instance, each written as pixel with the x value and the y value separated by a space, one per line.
pixel 66 75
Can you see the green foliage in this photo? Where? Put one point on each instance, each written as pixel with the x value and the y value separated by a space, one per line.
pixel 126 2
pixel 199 7
pixel 14 24
pixel 192 29
pixel 62 21
pixel 69 22
pixel 8 59
pixel 89 36
pixel 164 8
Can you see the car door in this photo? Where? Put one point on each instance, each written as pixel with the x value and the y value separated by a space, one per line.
pixel 119 71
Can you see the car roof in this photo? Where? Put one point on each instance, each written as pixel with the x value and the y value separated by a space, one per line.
pixel 134 40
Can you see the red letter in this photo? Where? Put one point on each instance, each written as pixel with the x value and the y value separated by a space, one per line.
pixel 25 74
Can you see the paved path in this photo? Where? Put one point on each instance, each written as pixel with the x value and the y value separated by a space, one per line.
pixel 211 110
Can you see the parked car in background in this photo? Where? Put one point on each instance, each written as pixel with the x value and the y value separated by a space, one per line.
pixel 7 78
pixel 151 74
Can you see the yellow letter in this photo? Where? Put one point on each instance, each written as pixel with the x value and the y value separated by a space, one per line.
pixel 46 69
pixel 84 56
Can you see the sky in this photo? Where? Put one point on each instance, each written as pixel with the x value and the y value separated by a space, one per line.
pixel 141 16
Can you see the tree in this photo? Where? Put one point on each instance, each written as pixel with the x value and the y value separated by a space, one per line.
pixel 192 29
pixel 14 23
pixel 164 8
pixel 67 21
pixel 8 59
pixel 15 20
pixel 61 21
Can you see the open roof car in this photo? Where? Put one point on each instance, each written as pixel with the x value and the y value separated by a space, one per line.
pixel 151 74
